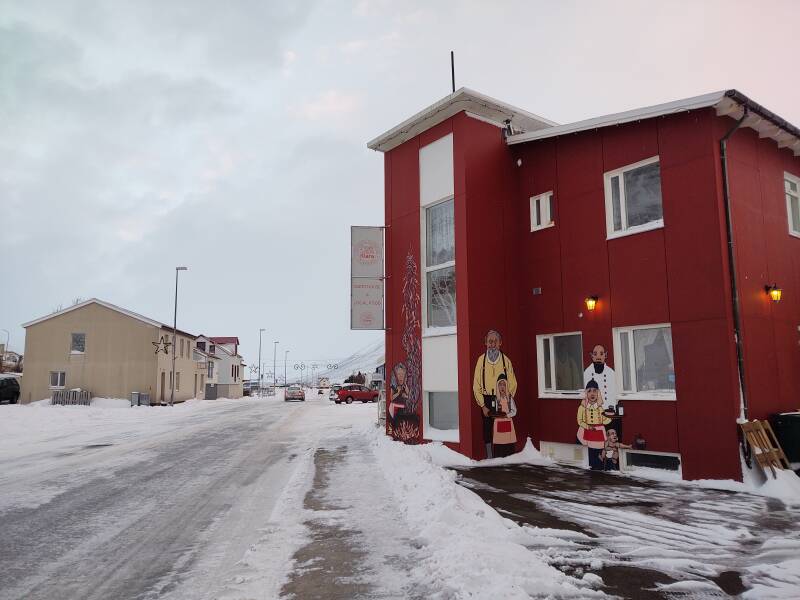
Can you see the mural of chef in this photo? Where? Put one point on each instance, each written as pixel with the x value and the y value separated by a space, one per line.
pixel 491 364
pixel 604 375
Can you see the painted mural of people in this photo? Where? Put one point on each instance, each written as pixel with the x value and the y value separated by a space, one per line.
pixel 398 401
pixel 604 375
pixel 490 365
pixel 592 424
pixel 504 437
pixel 611 451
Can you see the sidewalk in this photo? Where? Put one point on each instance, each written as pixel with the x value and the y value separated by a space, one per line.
pixel 647 539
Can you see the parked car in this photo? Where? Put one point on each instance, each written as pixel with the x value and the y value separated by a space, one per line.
pixel 355 391
pixel 333 395
pixel 9 389
pixel 294 392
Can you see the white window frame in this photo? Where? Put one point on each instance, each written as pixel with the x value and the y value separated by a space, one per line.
pixel 428 331
pixel 431 433
pixel 608 176
pixel 544 393
pixel 647 394
pixel 63 380
pixel 787 177
pixel 544 200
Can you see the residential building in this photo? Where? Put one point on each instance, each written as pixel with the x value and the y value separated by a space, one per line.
pixel 229 369
pixel 666 235
pixel 109 351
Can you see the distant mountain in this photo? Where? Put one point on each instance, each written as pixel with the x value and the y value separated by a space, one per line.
pixel 365 359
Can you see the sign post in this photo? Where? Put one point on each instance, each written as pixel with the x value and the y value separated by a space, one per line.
pixel 366 278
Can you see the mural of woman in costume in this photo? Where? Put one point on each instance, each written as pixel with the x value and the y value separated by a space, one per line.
pixel 504 437
pixel 398 402
pixel 592 424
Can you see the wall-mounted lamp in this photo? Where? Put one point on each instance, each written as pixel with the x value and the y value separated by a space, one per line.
pixel 591 302
pixel 774 292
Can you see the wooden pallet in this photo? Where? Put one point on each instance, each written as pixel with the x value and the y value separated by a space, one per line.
pixel 765 445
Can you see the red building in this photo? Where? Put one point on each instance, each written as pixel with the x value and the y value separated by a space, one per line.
pixel 675 218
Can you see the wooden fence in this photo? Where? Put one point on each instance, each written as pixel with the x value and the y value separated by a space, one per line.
pixel 68 397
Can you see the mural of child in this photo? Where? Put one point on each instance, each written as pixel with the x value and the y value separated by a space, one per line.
pixel 592 424
pixel 611 451
pixel 504 437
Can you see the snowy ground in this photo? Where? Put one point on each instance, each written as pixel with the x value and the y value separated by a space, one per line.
pixel 257 498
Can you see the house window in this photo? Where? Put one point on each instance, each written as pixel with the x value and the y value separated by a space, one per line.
pixel 178 381
pixel 210 370
pixel 78 345
pixel 645 361
pixel 791 185
pixel 170 380
pixel 212 348
pixel 633 198
pixel 439 266
pixel 542 211
pixel 58 379
pixel 560 360
pixel 443 410
pixel 201 346
pixel 181 347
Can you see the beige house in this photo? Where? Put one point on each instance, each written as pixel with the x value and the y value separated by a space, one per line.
pixel 110 352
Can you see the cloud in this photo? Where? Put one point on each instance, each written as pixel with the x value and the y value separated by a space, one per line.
pixel 329 104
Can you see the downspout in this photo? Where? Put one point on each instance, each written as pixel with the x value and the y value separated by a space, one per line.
pixel 737 321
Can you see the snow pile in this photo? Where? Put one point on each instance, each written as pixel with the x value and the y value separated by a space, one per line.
pixel 471 549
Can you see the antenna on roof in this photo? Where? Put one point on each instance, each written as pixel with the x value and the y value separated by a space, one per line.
pixel 453 71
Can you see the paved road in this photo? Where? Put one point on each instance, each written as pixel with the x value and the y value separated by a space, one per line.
pixel 143 514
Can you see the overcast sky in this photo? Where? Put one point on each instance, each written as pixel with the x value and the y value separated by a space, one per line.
pixel 231 136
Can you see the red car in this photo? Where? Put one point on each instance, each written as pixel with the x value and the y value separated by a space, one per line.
pixel 354 391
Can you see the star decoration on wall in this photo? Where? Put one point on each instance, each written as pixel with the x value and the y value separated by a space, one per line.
pixel 162 345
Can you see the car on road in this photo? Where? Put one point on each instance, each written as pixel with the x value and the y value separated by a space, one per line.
pixel 9 389
pixel 332 395
pixel 294 392
pixel 355 391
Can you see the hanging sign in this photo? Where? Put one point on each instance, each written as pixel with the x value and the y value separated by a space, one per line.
pixel 366 303
pixel 366 251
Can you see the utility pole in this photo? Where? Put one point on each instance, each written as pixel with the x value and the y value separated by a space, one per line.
pixel 260 331
pixel 274 366
pixel 285 361
pixel 174 335
pixel 453 71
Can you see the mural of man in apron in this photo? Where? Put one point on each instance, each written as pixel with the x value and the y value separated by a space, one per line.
pixel 491 364
pixel 592 424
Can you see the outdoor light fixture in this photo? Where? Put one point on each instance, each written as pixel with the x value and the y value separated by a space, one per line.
pixel 774 292
pixel 591 302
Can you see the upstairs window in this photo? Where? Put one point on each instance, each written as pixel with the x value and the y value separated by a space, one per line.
pixel 440 269
pixel 181 347
pixel 542 213
pixel 791 185
pixel 78 345
pixel 633 198
pixel 201 346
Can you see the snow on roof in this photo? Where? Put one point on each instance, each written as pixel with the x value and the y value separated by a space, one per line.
pixel 108 305
pixel 462 99
pixel 727 102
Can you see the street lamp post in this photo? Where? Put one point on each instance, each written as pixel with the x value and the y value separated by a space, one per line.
pixel 274 365
pixel 175 335
pixel 285 361
pixel 260 331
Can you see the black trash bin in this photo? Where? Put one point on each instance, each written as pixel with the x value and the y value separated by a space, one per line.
pixel 787 430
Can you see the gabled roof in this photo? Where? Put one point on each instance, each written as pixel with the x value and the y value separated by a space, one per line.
pixel 225 340
pixel 463 99
pixel 727 102
pixel 115 308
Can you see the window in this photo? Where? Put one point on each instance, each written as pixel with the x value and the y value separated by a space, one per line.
pixel 210 369
pixel 178 380
pixel 560 362
pixel 633 198
pixel 443 410
pixel 791 185
pixel 645 362
pixel 78 345
pixel 439 267
pixel 542 213
pixel 181 347
pixel 58 379
pixel 201 346
pixel 212 348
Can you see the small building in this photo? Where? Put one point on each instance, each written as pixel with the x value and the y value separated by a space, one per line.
pixel 110 352
pixel 655 251
pixel 229 372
